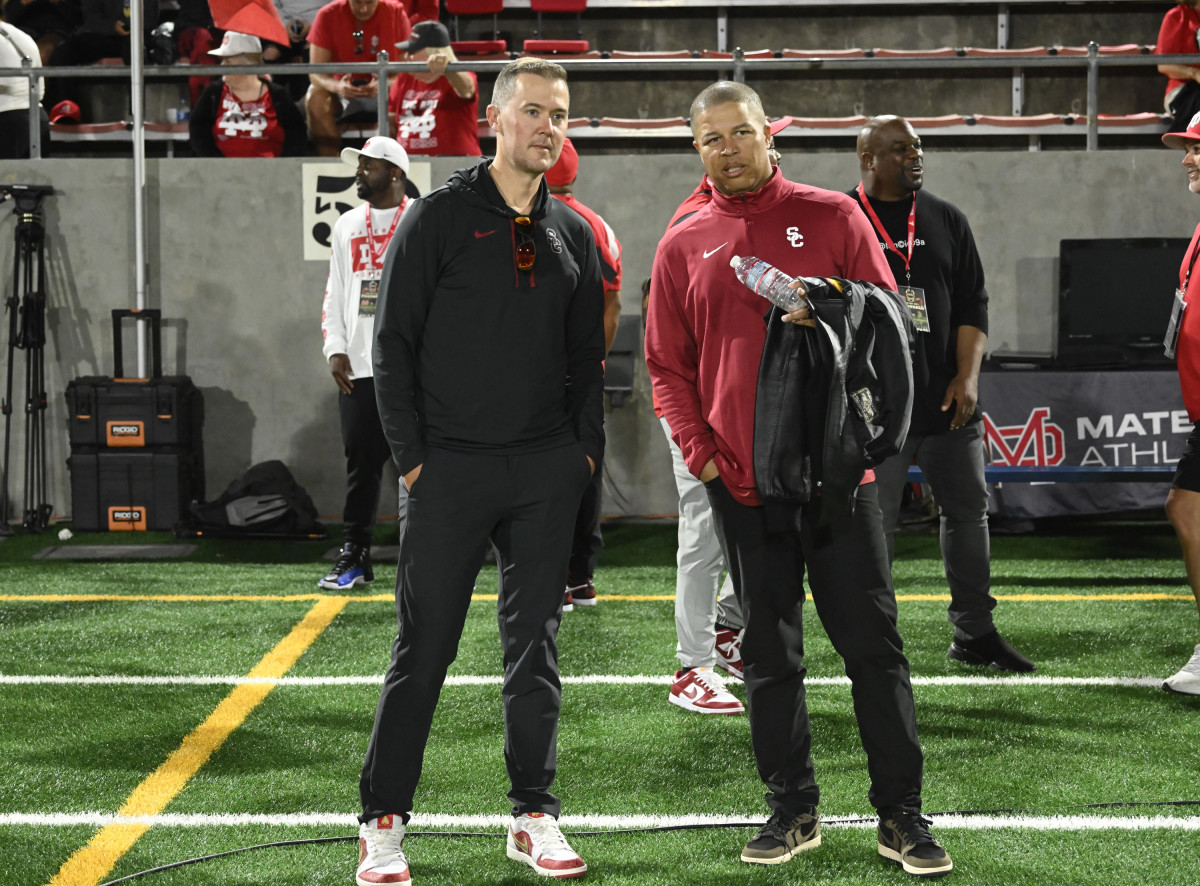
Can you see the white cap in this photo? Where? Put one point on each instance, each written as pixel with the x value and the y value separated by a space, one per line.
pixel 379 147
pixel 237 44
pixel 733 262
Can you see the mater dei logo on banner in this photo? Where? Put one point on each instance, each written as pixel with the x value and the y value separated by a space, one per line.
pixel 1106 440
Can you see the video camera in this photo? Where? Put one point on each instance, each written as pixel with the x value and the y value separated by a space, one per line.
pixel 28 197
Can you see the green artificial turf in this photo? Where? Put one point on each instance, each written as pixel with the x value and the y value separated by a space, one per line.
pixel 993 744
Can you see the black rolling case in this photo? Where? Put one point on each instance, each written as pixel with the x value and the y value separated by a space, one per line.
pixel 136 443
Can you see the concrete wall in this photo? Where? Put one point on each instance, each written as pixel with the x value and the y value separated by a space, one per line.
pixel 243 307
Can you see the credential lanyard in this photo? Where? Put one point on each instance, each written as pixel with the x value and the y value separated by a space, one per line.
pixel 887 240
pixel 377 251
pixel 1195 252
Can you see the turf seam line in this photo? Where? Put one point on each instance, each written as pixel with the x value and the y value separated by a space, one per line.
pixel 1021 597
pixel 89 865
pixel 499 821
pixel 496 680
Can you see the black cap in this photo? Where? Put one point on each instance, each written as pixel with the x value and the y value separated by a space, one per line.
pixel 425 35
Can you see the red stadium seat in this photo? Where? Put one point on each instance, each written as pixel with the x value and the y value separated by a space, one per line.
pixel 823 53
pixel 940 52
pixel 1020 122
pixel 638 55
pixel 854 122
pixel 935 122
pixel 639 123
pixel 753 53
pixel 477 7
pixel 987 52
pixel 539 45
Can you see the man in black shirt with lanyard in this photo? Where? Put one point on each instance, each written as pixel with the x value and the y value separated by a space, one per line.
pixel 931 251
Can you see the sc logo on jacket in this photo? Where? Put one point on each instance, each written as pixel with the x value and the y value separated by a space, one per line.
pixel 795 237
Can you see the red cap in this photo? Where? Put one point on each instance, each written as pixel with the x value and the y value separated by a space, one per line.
pixel 65 110
pixel 1181 139
pixel 566 169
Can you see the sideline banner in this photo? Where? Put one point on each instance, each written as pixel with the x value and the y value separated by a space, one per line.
pixel 1120 418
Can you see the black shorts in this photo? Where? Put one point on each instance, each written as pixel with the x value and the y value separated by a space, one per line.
pixel 1187 472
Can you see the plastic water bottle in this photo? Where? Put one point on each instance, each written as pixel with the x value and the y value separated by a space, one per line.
pixel 769 282
pixel 182 112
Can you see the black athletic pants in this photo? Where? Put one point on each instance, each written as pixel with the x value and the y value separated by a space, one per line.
pixel 525 505
pixel 367 452
pixel 850 582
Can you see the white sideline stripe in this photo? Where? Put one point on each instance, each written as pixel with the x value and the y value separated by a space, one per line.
pixel 597 679
pixel 576 822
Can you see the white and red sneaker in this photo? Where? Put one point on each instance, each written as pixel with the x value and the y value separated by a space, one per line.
pixel 702 690
pixel 729 652
pixel 536 840
pixel 380 854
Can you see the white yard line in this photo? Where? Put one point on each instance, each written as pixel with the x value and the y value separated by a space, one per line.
pixel 606 822
pixel 598 679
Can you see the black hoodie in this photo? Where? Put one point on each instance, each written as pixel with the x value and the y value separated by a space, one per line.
pixel 474 355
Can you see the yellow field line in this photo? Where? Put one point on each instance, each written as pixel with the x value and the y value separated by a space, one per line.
pixel 89 865
pixel 635 598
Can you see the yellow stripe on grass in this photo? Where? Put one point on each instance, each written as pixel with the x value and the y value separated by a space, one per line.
pixel 89 865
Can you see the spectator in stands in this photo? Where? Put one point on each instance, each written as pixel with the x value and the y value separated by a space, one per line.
pixel 436 113
pixel 348 31
pixel 244 115
pixel 360 240
pixel 931 251
pixel 16 45
pixel 488 372
pixel 708 620
pixel 298 17
pixel 705 338
pixel 1183 343
pixel 194 37
pixel 104 34
pixel 587 540
pixel 48 22
pixel 1178 35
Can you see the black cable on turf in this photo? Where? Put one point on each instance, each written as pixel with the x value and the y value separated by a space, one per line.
pixel 629 831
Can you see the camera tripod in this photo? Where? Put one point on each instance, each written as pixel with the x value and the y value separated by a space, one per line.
pixel 26 307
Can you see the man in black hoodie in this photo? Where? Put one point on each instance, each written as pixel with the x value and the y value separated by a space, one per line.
pixel 488 347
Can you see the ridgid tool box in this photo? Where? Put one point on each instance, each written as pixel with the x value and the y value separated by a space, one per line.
pixel 136 443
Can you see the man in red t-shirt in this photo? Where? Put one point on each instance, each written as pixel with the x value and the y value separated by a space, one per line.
pixel 348 31
pixel 435 113
pixel 1178 36
pixel 1183 501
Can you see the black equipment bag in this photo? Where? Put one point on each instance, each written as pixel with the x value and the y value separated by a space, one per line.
pixel 265 502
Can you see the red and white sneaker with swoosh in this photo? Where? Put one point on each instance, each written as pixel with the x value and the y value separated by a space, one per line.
pixel 536 840
pixel 729 653
pixel 380 854
pixel 703 691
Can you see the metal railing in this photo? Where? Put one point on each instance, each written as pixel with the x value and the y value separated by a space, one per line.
pixel 738 64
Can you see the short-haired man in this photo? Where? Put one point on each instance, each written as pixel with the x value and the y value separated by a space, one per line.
pixel 587 541
pixel 1183 342
pixel 705 339
pixel 348 31
pixel 435 111
pixel 929 246
pixel 488 370
pixel 360 240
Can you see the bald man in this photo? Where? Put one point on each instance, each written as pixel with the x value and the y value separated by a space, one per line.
pixel 929 246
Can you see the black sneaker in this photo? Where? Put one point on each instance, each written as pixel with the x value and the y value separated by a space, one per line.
pixel 782 837
pixel 904 837
pixel 991 650
pixel 353 567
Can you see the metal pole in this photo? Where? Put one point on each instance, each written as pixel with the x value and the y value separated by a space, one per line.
pixel 137 103
pixel 739 65
pixel 381 94
pixel 35 112
pixel 1093 96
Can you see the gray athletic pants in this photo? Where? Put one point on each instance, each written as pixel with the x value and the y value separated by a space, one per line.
pixel 701 599
pixel 953 464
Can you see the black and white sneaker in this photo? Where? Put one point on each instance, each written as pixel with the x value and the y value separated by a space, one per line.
pixel 784 836
pixel 353 566
pixel 904 837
